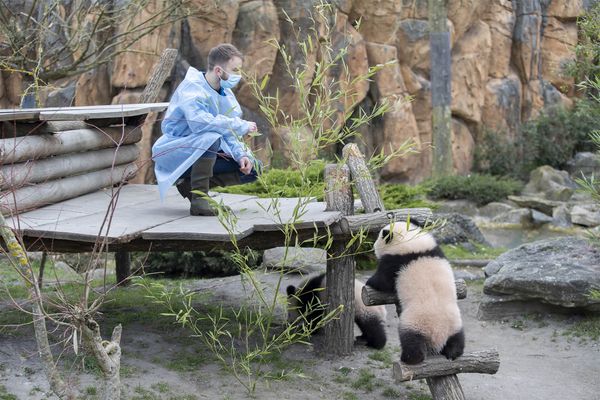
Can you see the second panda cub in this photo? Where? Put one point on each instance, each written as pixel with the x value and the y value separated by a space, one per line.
pixel 411 265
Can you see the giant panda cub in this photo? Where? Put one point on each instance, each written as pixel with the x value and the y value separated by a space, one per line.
pixel 411 264
pixel 307 299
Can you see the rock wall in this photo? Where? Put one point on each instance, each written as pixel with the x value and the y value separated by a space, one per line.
pixel 507 59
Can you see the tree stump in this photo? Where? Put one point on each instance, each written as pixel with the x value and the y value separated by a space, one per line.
pixel 339 333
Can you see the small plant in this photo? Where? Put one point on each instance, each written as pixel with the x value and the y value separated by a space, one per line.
pixel 481 189
pixel 586 328
pixel 384 356
pixel 476 251
pixel 390 393
pixel 365 380
pixel 404 196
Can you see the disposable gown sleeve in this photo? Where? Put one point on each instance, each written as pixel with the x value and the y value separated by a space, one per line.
pixel 231 129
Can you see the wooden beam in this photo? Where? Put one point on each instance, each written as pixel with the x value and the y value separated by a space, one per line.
pixel 372 223
pixel 362 180
pixel 481 362
pixel 61 189
pixel 160 72
pixel 339 333
pixel 14 176
pixel 42 146
pixel 372 297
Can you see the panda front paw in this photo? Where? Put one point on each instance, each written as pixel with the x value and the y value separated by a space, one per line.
pixel 412 356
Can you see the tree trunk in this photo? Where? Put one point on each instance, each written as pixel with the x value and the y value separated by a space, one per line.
pixel 361 177
pixel 339 333
pixel 441 73
pixel 108 355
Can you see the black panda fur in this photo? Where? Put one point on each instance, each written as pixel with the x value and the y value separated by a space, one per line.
pixel 311 292
pixel 411 264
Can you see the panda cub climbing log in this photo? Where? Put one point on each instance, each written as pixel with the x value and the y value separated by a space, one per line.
pixel 306 300
pixel 411 264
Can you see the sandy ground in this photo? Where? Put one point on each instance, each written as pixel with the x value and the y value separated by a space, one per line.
pixel 537 362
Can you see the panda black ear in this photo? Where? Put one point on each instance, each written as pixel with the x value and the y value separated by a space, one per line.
pixel 291 290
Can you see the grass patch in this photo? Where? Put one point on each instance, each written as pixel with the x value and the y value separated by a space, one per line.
pixel 365 380
pixel 349 396
pixel 187 362
pixel 481 189
pixel 479 251
pixel 588 328
pixel 390 393
pixel 5 395
pixel 161 387
pixel 384 356
pixel 418 396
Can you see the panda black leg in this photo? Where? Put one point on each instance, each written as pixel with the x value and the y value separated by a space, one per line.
pixel 373 331
pixel 454 346
pixel 414 346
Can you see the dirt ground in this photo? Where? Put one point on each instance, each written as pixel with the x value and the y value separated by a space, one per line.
pixel 537 362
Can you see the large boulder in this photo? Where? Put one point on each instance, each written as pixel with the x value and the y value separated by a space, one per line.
pixel 565 9
pixel 463 147
pixel 413 43
pixel 502 105
pixel 553 184
pixel 558 49
pixel 296 259
pixel 586 214
pixel 541 95
pixel 584 164
pixel 256 28
pixel 379 19
pixel 390 79
pixel 527 37
pixel 500 17
pixel 464 13
pixel 93 87
pixel 470 64
pixel 458 229
pixel 536 203
pixel 556 272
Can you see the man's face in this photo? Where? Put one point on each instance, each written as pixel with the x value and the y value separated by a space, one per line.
pixel 233 66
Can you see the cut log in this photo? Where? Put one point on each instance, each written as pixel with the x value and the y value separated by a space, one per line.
pixel 361 177
pixel 160 72
pixel 12 129
pixel 373 222
pixel 372 297
pixel 18 175
pixel 42 146
pixel 481 362
pixel 339 333
pixel 54 191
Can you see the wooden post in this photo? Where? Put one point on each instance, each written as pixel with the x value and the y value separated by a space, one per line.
pixel 160 72
pixel 339 333
pixel 42 266
pixel 123 267
pixel 441 76
pixel 361 177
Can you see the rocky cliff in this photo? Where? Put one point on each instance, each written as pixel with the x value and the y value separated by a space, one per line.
pixel 507 59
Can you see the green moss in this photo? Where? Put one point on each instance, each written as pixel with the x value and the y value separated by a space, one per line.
pixel 586 328
pixel 365 380
pixel 456 252
pixel 404 196
pixel 5 395
pixel 481 189
pixel 384 356
pixel 391 393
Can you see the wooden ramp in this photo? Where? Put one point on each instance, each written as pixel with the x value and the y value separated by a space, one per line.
pixel 141 221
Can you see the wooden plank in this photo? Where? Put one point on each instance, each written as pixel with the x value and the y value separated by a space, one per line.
pixel 121 110
pixel 14 176
pixel 128 222
pixel 42 146
pixel 79 113
pixel 51 192
pixel 87 204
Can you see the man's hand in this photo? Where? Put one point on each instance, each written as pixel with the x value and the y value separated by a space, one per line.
pixel 245 165
pixel 252 126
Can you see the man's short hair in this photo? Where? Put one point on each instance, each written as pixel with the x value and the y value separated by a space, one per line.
pixel 221 54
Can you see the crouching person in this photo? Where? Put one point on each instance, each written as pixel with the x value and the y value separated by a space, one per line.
pixel 201 144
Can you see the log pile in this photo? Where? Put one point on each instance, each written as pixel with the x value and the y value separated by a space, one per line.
pixel 45 159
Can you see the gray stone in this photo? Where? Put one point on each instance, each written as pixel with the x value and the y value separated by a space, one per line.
pixel 556 272
pixel 471 274
pixel 298 259
pixel 539 218
pixel 494 209
pixel 62 97
pixel 586 214
pixel 561 217
pixel 554 184
pixel 581 197
pixel 537 203
pixel 464 207
pixel 458 229
pixel 520 216
pixel 584 164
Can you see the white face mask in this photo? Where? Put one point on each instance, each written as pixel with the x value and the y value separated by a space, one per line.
pixel 231 82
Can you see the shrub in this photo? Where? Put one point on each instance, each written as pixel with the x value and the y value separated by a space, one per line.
pixel 481 189
pixel 404 196
pixel 196 263
pixel 285 183
pixel 551 139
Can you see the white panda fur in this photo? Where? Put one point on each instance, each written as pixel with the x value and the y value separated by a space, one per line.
pixel 370 319
pixel 411 264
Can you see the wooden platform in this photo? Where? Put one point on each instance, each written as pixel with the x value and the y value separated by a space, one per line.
pixel 82 113
pixel 141 222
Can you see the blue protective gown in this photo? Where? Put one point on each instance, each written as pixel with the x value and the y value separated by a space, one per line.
pixel 196 118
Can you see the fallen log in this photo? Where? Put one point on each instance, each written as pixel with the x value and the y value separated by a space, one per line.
pixel 34 147
pixel 13 176
pixel 372 297
pixel 481 362
pixel 51 192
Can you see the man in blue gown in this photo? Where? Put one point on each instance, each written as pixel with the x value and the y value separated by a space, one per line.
pixel 201 145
